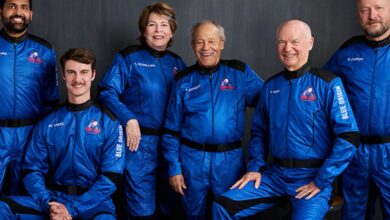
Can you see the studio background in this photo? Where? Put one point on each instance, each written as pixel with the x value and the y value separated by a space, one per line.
pixel 107 26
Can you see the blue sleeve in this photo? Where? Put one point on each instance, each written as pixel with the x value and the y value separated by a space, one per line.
pixel 259 136
pixel 111 172
pixel 35 168
pixel 113 85
pixel 346 134
pixel 253 86
pixel 171 137
pixel 50 85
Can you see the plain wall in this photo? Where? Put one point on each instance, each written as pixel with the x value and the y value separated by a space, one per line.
pixel 107 26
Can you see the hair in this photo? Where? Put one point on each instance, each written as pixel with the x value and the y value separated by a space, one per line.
pixel 80 55
pixel 2 2
pixel 160 8
pixel 221 30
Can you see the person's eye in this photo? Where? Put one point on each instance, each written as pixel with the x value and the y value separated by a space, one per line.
pixel 379 8
pixel 364 10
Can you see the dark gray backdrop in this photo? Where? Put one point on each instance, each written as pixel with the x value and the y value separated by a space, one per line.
pixel 107 26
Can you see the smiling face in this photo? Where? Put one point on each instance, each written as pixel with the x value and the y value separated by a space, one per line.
pixel 78 79
pixel 16 16
pixel 294 43
pixel 158 32
pixel 207 45
pixel 374 18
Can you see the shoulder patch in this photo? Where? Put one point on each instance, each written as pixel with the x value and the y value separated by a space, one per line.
pixel 353 40
pixel 185 72
pixel 40 41
pixel 104 109
pixel 235 64
pixel 326 75
pixel 130 49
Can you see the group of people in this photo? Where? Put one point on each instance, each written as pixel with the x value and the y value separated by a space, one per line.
pixel 157 121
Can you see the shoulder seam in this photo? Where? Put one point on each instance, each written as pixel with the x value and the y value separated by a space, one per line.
pixel 235 64
pixel 105 110
pixel 325 75
pixel 173 54
pixel 353 40
pixel 130 49
pixel 40 41
pixel 184 72
pixel 272 77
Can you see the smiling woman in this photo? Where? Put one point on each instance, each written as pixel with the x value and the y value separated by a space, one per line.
pixel 136 88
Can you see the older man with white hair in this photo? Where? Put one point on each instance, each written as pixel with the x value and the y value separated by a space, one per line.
pixel 205 121
pixel 305 121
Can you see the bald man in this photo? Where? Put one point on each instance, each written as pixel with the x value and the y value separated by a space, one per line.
pixel 305 121
pixel 363 63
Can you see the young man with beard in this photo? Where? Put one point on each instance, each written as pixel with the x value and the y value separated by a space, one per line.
pixel 28 87
pixel 363 63
pixel 74 160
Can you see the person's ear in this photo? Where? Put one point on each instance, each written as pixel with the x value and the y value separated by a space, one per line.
pixel 93 75
pixel 311 43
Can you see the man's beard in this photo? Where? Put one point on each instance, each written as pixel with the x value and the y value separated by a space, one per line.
pixel 16 28
pixel 376 33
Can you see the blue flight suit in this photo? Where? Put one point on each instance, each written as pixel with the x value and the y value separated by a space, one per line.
pixel 137 86
pixel 75 157
pixel 364 67
pixel 305 121
pixel 204 127
pixel 28 90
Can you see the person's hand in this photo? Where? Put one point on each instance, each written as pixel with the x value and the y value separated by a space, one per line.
pixel 133 134
pixel 308 191
pixel 177 183
pixel 250 176
pixel 58 211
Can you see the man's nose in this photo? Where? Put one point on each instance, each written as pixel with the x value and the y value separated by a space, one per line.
pixel 205 46
pixel 373 14
pixel 287 46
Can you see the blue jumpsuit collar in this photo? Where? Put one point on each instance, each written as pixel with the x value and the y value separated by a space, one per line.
pixel 154 53
pixel 376 44
pixel 208 70
pixel 12 39
pixel 79 107
pixel 297 73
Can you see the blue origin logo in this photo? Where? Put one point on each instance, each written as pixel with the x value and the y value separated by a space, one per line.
pixel 93 127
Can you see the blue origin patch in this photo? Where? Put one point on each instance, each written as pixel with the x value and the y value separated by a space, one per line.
pixel 34 57
pixel 308 94
pixel 93 127
pixel 226 85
